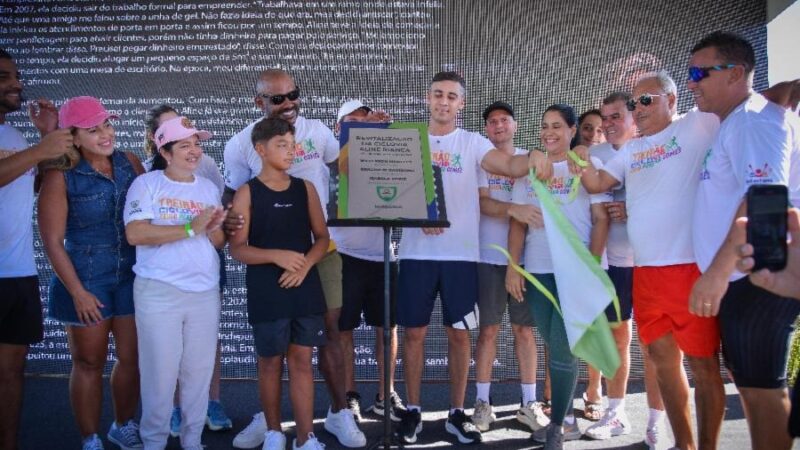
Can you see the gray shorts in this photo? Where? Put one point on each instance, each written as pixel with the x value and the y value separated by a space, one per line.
pixel 493 298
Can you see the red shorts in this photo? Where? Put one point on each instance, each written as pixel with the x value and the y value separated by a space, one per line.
pixel 661 306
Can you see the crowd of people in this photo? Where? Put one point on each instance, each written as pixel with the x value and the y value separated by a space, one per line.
pixel 656 197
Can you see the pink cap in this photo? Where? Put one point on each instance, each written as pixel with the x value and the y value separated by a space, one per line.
pixel 176 129
pixel 83 112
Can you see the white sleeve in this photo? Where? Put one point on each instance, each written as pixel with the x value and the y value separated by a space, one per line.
pixel 617 164
pixel 331 151
pixel 601 197
pixel 760 153
pixel 483 179
pixel 482 147
pixel 237 171
pixel 519 193
pixel 139 201
pixel 208 168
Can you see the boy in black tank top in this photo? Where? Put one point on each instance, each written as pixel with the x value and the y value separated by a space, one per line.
pixel 285 303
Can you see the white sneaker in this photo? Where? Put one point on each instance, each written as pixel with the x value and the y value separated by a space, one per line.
pixel 274 440
pixel 343 425
pixel 533 416
pixel 253 433
pixel 483 416
pixel 613 423
pixel 654 441
pixel 311 444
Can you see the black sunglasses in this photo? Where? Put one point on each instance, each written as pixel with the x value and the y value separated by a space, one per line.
pixel 644 99
pixel 278 99
pixel 698 74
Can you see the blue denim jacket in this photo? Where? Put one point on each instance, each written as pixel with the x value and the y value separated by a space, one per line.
pixel 95 234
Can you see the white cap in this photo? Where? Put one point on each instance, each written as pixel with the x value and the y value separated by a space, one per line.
pixel 349 107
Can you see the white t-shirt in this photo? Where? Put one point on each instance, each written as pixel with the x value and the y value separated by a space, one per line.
pixel 758 143
pixel 618 247
pixel 316 146
pixel 494 230
pixel 578 212
pixel 207 169
pixel 16 211
pixel 361 242
pixel 660 177
pixel 458 155
pixel 189 264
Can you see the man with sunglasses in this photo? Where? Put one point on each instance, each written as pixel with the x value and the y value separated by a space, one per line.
pixel 758 143
pixel 619 127
pixel 277 95
pixel 659 171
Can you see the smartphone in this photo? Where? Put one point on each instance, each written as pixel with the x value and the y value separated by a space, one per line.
pixel 766 225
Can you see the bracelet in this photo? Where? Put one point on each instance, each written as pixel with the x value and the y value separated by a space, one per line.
pixel 189 231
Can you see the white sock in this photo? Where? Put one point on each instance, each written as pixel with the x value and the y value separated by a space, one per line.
pixel 483 391
pixel 414 408
pixel 654 417
pixel 569 419
pixel 528 393
pixel 616 403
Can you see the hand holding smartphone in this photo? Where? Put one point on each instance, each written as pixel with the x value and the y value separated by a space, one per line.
pixel 766 225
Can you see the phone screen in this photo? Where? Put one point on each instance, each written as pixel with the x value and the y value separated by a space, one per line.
pixel 766 225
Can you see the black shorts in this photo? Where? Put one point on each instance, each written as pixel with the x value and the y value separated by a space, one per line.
pixel 273 338
pixel 362 290
pixel 622 277
pixel 456 282
pixel 755 327
pixel 20 311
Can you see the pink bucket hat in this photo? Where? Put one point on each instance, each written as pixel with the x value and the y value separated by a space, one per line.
pixel 83 112
pixel 176 129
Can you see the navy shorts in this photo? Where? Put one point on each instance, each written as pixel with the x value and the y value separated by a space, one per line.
pixel 755 327
pixel 456 282
pixel 362 290
pixel 20 311
pixel 622 277
pixel 273 338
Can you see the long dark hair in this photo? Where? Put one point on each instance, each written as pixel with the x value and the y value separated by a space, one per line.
pixel 151 125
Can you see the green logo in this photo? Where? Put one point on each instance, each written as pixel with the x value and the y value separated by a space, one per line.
pixel 387 193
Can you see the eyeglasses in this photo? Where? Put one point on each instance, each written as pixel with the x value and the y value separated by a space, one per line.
pixel 698 74
pixel 278 99
pixel 644 99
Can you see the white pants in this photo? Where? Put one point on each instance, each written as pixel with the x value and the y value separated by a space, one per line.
pixel 177 332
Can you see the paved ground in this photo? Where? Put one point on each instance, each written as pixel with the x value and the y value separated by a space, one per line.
pixel 48 424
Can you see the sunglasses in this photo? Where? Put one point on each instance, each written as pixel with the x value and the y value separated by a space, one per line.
pixel 278 99
pixel 697 74
pixel 644 100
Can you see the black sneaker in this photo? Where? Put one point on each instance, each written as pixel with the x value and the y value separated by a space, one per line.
pixel 459 425
pixel 397 410
pixel 354 404
pixel 410 426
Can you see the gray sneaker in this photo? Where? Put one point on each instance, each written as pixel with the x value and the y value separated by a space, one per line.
pixel 126 436
pixel 569 432
pixel 554 438
pixel 483 416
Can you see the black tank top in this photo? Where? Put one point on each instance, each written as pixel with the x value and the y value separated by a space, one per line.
pixel 280 220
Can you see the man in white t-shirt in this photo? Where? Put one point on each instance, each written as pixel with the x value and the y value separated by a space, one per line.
pixel 496 209
pixel 758 143
pixel 658 170
pixel 20 307
pixel 444 260
pixel 619 128
pixel 277 95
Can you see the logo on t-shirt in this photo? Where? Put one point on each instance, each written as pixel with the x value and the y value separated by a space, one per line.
pixel 651 157
pixel 560 185
pixel 759 175
pixel 448 162
pixel 282 205
pixel 704 175
pixel 305 151
pixel 177 209
pixel 498 183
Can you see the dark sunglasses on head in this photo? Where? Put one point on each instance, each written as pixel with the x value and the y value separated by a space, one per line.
pixel 644 99
pixel 697 74
pixel 278 99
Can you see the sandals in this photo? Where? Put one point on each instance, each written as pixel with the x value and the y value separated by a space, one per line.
pixel 547 407
pixel 592 410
